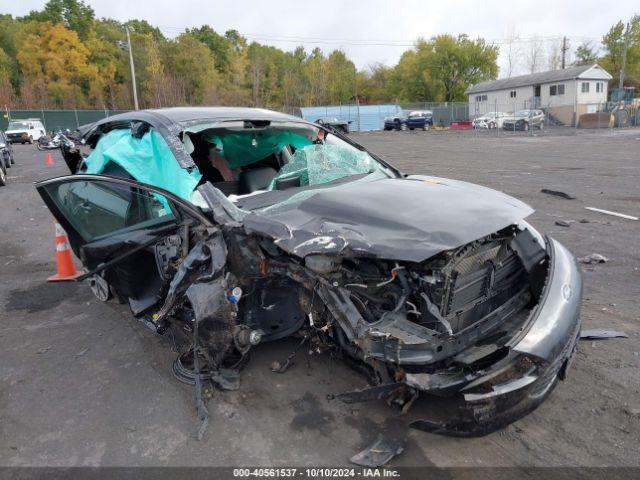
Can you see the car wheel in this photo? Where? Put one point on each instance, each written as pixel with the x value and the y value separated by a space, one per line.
pixel 492 126
pixel 410 128
pixel 31 140
pixel 100 288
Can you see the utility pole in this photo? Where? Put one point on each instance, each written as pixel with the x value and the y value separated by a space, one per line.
pixel 355 87
pixel 564 51
pixel 133 69
pixel 624 56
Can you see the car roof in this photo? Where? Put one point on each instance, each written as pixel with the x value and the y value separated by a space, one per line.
pixel 170 121
pixel 181 115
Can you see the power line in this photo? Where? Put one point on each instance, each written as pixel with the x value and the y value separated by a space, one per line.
pixel 377 42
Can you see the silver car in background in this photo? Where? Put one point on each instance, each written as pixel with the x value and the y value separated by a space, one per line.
pixel 490 120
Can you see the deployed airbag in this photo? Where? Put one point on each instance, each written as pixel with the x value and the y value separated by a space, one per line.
pixel 148 160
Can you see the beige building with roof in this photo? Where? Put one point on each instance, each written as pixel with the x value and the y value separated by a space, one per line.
pixel 563 95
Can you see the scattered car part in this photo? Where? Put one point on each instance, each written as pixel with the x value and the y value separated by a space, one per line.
pixel 558 193
pixel 609 212
pixel 593 258
pixel 379 453
pixel 562 223
pixel 597 334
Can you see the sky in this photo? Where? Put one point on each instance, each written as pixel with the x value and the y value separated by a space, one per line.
pixel 373 31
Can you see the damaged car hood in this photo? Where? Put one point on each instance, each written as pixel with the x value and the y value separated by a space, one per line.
pixel 408 219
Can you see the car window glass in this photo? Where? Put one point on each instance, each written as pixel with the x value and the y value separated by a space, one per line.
pixel 97 209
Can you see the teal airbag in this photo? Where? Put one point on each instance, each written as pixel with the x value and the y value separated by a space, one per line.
pixel 148 160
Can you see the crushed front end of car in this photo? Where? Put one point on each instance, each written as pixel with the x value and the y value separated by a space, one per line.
pixel 492 324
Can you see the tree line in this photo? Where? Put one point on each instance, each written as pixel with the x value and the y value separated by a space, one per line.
pixel 64 57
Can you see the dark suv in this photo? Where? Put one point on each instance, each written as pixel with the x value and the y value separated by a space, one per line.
pixel 420 119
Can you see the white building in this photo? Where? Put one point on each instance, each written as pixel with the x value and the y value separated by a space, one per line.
pixel 562 94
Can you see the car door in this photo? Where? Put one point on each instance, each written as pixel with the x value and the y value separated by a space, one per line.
pixel 123 230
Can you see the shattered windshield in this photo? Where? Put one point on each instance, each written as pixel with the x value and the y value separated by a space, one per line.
pixel 272 162
pixel 323 163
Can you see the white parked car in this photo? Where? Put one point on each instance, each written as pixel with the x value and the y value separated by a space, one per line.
pixel 25 131
pixel 490 120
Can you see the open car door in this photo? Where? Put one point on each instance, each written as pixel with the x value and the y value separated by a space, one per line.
pixel 129 233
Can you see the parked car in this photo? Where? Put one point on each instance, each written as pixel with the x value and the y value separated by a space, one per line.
pixel 25 131
pixel 524 120
pixel 431 286
pixel 490 120
pixel 6 149
pixel 6 158
pixel 420 119
pixel 395 122
pixel 334 122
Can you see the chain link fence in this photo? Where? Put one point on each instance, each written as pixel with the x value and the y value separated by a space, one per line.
pixel 57 119
pixel 528 117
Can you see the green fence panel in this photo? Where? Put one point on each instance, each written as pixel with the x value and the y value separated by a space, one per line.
pixel 58 119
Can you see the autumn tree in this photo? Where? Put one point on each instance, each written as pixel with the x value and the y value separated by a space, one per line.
pixel 54 60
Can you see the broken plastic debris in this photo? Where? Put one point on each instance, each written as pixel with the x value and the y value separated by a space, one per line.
pixel 558 193
pixel 598 334
pixel 593 258
pixel 562 223
pixel 379 452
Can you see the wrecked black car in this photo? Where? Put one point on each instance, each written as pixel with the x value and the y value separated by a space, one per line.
pixel 232 226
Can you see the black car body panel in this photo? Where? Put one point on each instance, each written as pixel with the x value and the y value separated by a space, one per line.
pixel 429 285
pixel 410 225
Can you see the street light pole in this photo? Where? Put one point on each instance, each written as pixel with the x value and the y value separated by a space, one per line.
pixel 133 69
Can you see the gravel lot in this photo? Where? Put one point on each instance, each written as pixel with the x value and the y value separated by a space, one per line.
pixel 83 383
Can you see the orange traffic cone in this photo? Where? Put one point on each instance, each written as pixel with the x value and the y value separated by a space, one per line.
pixel 48 160
pixel 66 269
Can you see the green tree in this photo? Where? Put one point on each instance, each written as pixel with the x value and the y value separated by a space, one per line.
pixel 613 46
pixel 75 14
pixel 191 66
pixel 586 54
pixel 341 78
pixel 457 63
pixel 218 44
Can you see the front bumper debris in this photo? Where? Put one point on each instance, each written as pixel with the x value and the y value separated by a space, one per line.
pixel 511 387
pixel 547 343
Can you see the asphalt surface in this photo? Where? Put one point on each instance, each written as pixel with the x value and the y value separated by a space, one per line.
pixel 83 383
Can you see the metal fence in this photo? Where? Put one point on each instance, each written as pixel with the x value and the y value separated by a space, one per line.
pixel 533 114
pixel 528 116
pixel 57 119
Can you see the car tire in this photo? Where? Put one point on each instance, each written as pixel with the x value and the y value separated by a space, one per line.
pixel 410 128
pixel 492 125
pixel 30 140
